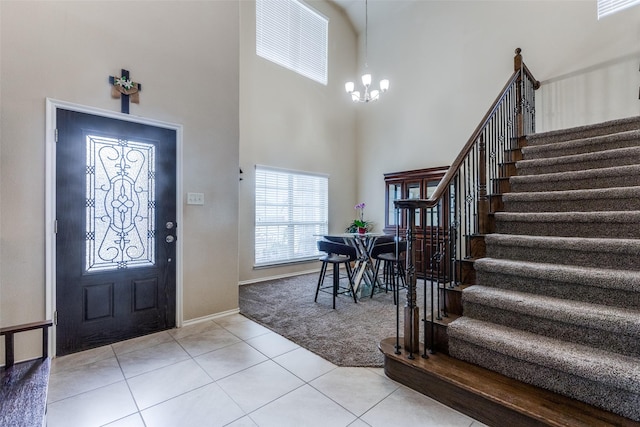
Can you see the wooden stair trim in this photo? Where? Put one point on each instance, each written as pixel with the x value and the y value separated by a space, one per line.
pixel 444 320
pixel 490 397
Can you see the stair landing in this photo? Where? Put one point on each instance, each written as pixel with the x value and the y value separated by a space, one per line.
pixel 489 397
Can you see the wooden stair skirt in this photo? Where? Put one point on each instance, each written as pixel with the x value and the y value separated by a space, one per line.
pixel 489 397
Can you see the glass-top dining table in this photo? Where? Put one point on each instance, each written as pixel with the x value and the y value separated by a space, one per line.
pixel 363 271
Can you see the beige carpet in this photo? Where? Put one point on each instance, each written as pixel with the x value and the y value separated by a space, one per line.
pixel 346 336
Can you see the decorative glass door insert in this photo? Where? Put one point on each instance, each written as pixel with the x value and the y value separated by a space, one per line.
pixel 120 208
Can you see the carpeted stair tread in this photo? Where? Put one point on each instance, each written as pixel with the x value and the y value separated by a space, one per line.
pixel 615 320
pixel 577 251
pixel 619 176
pixel 589 276
pixel 590 160
pixel 597 199
pixel 630 246
pixel 579 146
pixel 589 217
pixel 616 224
pixel 585 131
pixel 610 292
pixel 556 378
pixel 598 365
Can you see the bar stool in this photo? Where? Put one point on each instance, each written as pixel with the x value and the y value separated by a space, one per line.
pixel 336 254
pixel 392 268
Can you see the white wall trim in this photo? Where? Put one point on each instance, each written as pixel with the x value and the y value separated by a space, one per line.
pixel 279 276
pixel 210 317
pixel 50 200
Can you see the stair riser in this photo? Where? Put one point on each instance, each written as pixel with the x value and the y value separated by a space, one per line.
pixel 513 155
pixel 553 328
pixel 622 261
pixel 618 230
pixel 500 185
pixel 596 394
pixel 508 169
pixel 477 246
pixel 525 169
pixel 544 152
pixel 440 333
pixel 569 205
pixel 467 272
pixel 524 186
pixel 586 292
pixel 495 203
pixel 452 299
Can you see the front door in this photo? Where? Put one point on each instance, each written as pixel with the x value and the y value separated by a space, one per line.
pixel 116 230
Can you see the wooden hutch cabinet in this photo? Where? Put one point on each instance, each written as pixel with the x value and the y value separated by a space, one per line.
pixel 415 184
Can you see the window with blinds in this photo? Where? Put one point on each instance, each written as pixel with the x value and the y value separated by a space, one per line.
pixel 293 35
pixel 607 7
pixel 291 211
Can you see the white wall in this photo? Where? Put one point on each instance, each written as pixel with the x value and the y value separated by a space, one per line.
pixel 185 54
pixel 292 122
pixel 448 60
pixel 603 91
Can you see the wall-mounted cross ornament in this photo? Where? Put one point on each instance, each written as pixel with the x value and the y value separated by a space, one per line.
pixel 125 89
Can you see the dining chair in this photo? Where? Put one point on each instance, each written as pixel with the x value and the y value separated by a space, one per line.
pixel 336 254
pixel 393 266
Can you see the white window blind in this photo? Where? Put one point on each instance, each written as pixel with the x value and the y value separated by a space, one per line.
pixel 291 210
pixel 607 7
pixel 293 35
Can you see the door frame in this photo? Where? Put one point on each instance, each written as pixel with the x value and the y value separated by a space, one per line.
pixel 52 105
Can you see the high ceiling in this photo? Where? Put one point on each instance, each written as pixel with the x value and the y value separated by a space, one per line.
pixel 355 10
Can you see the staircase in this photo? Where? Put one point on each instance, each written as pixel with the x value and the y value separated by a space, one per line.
pixel 557 298
pixel 530 315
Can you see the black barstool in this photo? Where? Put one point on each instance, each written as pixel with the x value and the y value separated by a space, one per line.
pixel 392 268
pixel 336 254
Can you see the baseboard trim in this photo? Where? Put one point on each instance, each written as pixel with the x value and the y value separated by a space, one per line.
pixel 279 276
pixel 210 317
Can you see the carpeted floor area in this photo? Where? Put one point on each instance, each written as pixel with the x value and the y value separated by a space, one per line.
pixel 346 336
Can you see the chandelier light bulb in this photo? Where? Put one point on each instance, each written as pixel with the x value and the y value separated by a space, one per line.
pixel 355 96
pixel 366 79
pixel 375 94
pixel 384 85
pixel 349 87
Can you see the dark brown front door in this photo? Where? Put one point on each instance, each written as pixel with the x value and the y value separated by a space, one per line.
pixel 116 230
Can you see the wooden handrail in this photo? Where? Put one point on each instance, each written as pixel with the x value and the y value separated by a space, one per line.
pixel 432 201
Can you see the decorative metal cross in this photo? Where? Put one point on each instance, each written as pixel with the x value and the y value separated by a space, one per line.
pixel 125 89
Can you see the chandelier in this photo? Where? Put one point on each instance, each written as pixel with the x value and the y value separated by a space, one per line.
pixel 367 95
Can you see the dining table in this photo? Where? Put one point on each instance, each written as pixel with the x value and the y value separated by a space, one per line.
pixel 363 271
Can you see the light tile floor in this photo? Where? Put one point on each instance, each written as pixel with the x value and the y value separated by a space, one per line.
pixel 231 371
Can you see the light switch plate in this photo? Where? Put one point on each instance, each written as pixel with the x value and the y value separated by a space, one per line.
pixel 195 198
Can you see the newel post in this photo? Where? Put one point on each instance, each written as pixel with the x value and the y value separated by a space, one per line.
pixel 411 311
